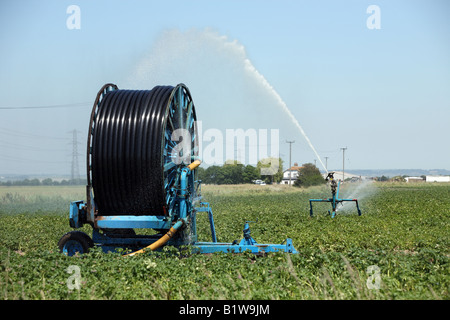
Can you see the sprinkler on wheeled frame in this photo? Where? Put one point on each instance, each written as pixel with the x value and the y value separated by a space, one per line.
pixel 335 201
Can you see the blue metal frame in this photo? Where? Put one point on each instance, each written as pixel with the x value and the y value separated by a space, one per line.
pixel 247 243
pixel 183 210
pixel 77 214
pixel 205 207
pixel 334 202
pixel 132 222
pixel 210 247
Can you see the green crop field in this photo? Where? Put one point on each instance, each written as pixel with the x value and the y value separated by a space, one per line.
pixel 397 249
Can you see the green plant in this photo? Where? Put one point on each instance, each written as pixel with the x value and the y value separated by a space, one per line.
pixel 403 231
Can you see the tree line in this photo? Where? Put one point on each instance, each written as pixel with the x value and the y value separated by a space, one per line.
pixel 44 182
pixel 233 172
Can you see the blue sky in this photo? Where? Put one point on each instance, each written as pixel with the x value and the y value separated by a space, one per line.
pixel 382 93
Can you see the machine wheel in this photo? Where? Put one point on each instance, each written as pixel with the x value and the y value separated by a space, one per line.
pixel 73 242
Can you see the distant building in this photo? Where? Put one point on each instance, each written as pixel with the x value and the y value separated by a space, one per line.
pixel 437 178
pixel 290 174
pixel 414 179
pixel 339 175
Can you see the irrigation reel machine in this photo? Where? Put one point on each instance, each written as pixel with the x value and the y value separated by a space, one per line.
pixel 142 156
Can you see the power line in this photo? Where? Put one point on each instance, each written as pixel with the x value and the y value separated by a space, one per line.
pixel 22 134
pixel 71 105
pixel 15 146
pixel 15 159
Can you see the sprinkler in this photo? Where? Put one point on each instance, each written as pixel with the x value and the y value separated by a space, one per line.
pixel 334 197
pixel 142 160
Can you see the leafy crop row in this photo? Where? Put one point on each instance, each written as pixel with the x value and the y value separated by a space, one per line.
pixel 403 231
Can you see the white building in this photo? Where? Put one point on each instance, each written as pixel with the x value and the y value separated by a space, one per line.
pixel 291 174
pixel 437 179
pixel 414 179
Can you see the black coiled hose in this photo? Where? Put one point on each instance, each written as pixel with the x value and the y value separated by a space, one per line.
pixel 131 147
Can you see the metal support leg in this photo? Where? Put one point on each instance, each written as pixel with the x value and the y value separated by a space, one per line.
pixel 357 207
pixel 211 224
pixel 204 207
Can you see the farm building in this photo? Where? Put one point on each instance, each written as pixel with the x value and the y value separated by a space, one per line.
pixel 437 178
pixel 339 175
pixel 414 179
pixel 291 174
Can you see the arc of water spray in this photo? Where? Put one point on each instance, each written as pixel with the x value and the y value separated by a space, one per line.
pixel 177 45
pixel 251 68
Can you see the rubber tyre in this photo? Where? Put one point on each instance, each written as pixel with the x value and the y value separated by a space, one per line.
pixel 73 242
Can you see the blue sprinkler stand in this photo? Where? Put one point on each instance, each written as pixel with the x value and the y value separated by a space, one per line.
pixel 334 199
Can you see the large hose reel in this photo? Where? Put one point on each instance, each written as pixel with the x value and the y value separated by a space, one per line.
pixel 138 140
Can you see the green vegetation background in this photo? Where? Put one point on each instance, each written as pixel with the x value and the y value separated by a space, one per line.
pixel 403 231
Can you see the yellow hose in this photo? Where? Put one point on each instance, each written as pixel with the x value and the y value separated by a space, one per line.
pixel 160 242
pixel 194 164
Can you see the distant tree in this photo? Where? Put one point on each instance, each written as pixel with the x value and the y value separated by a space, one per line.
pixel 47 182
pixel 64 182
pixel 232 173
pixel 24 182
pixel 209 176
pixel 309 175
pixel 201 173
pixel 250 173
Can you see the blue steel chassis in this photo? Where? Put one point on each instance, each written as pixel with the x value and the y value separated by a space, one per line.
pixel 111 243
pixel 80 214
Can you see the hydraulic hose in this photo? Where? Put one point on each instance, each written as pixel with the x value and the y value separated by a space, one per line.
pixel 195 164
pixel 161 241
